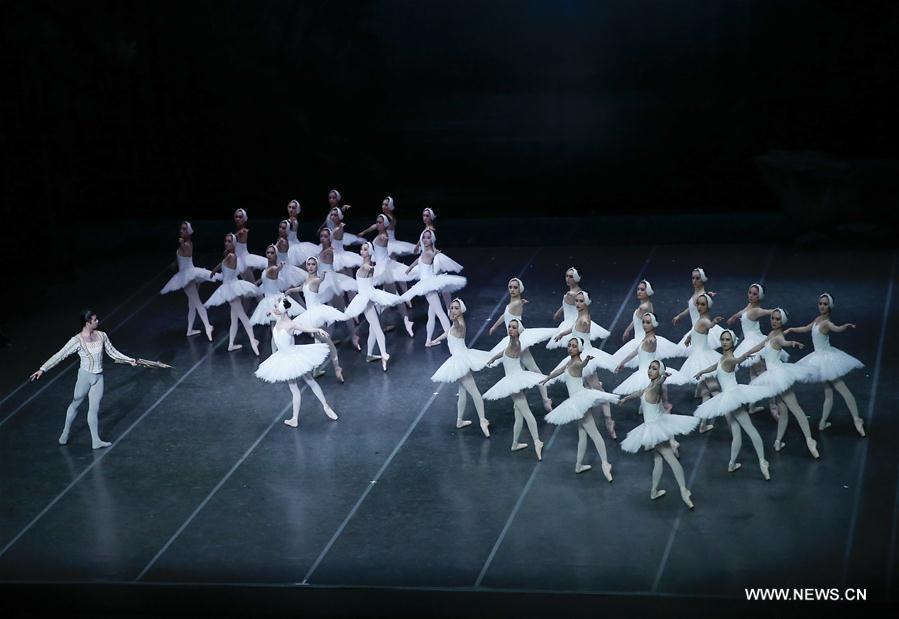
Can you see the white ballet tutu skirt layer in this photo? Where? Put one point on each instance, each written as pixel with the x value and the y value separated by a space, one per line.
pixel 369 294
pixel 247 260
pixel 660 429
pixel 334 284
pixel 577 405
pixel 232 288
pixel 828 365
pixel 263 315
pixel 528 338
pixel 291 362
pixel 462 361
pixel 714 339
pixel 665 349
pixel 778 377
pixel 400 248
pixel 352 239
pixel 187 273
pixel 513 383
pixel 729 401
pixel 596 333
pixel 299 252
pixel 750 340
pixel 435 283
pixel 346 260
pixel 317 316
pixel 698 360
pixel 639 380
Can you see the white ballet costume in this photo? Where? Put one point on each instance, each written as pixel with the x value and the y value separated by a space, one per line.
pixel 187 274
pixel 701 356
pixel 398 248
pixel 732 397
pixel 317 314
pixel 826 363
pixel 528 337
pixel 369 301
pixel 231 288
pixel 569 316
pixel 462 361
pixel 271 292
pixel 601 359
pixel 657 427
pixel 334 283
pixel 289 276
pixel 714 332
pixel 387 270
pixel 516 380
pixel 752 337
pixel 430 281
pixel 665 348
pixel 290 361
pixel 580 401
pixel 344 259
pixel 778 376
pixel 639 380
pixel 246 260
pixel 299 251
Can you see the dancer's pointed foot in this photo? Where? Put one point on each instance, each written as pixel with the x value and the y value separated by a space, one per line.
pixel 463 423
pixel 234 347
pixel 812 447
pixel 859 426
pixel 763 465
pixel 538 447
pixel 430 343
pixel 485 427
pixel 548 404
pixel 318 373
pixel 823 425
pixel 384 359
pixel 656 494
pixel 705 427
pixel 254 344
pixel 408 323
pixel 209 333
pixel 191 332
pixel 685 495
pixel 63 438
pixel 330 412
pixel 581 468
pixel 610 426
pixel 338 372
pixel 607 470
pixel 100 444
pixel 371 358
pixel 519 446
pixel 356 345
pixel 733 466
pixel 778 445
pixel 293 422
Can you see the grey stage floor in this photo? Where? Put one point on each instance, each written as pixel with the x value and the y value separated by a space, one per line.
pixel 204 485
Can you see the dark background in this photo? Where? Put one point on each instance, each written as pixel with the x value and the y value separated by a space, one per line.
pixel 150 110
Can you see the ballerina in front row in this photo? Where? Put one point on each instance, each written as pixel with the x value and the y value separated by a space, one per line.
pixel 458 368
pixel 827 364
pixel 187 278
pixel 289 361
pixel 515 383
pixel 231 291
pixel 578 406
pixel 657 430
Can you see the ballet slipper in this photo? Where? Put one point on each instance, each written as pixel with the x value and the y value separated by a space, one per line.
pixel 371 358
pixel 519 446
pixel 408 323
pixel 733 466
pixel 548 405
pixel 657 494
pixel 859 423
pixel 318 373
pixel 463 423
pixel 610 426
pixel 823 425
pixel 193 332
pixel 384 361
pixel 538 447
pixel 607 471
pixel 209 333
pixel 685 495
pixel 64 438
pixel 812 447
pixel 485 427
pixel 778 445
pixel 293 423
pixel 338 372
pixel 330 413
pixel 763 465
pixel 254 344
pixel 705 427
pixel 582 468
pixel 100 444
pixel 234 347
pixel 355 341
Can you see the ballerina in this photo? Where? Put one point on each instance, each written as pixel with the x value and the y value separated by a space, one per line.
pixel 343 260
pixel 318 314
pixel 231 291
pixel 657 430
pixel 828 364
pixel 568 312
pixel 578 407
pixel 699 279
pixel 732 399
pixel 458 368
pixel 289 275
pixel 337 284
pixel 298 250
pixel 246 261
pixel 89 343
pixel 387 270
pixel 665 348
pixel 394 247
pixel 515 383
pixel 270 284
pixel 580 329
pixel 288 361
pixel 430 284
pixel 187 278
pixel 514 310
pixel 778 378
pixel 702 354
pixel 334 199
pixel 367 302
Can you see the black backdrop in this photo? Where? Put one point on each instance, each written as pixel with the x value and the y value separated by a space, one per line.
pixel 148 109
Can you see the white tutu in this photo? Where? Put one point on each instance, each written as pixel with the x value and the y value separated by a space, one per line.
pixel 352 239
pixel 665 349
pixel 317 316
pixel 660 429
pixel 827 365
pixel 639 380
pixel 729 401
pixel 778 376
pixel 335 284
pixel 187 273
pixel 528 338
pixel 291 362
pixel 714 339
pixel 435 283
pixel 513 383
pixel 346 260
pixel 231 288
pixel 462 361
pixel 750 340
pixel 299 252
pixel 369 294
pixel 596 333
pixel 577 405
pixel 262 315
pixel 400 248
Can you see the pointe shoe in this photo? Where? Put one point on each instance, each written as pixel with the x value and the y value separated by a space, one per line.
pixel 485 425
pixel 733 466
pixel 338 372
pixel 408 323
pixel 656 494
pixel 763 465
pixel 193 332
pixel 318 373
pixel 234 347
pixel 812 447
pixel 519 446
pixel 823 425
pixel 685 495
pixel 607 470
pixel 548 405
pixel 254 344
pixel 538 447
pixel 463 423
pixel 64 438
pixel 705 427
pixel 293 423
pixel 371 358
pixel 330 413
pixel 356 345
pixel 778 445
pixel 101 444
pixel 610 426
pixel 384 361
pixel 859 426
pixel 582 468
pixel 209 333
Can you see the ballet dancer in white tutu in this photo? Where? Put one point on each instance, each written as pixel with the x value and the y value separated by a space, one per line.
pixel 289 275
pixel 394 247
pixel 459 367
pixel 368 302
pixel 270 285
pixel 90 344
pixel 344 260
pixel 568 312
pixel 335 285
pixel 578 407
pixel 778 378
pixel 298 250
pixel 388 272
pixel 290 361
pixel 431 284
pixel 516 381
pixel 699 279
pixel 702 353
pixel 232 291
pixel 730 402
pixel 827 364
pixel 657 430
pixel 665 348
pixel 246 262
pixel 334 200
pixel 530 337
pixel 187 278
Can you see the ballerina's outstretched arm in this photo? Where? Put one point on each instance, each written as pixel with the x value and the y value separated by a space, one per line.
pixel 412 266
pixel 750 352
pixel 733 319
pixel 371 228
pixel 563 334
pixel 496 324
pixel 559 312
pixel 838 329
pixel 495 357
pixel 707 370
pixel 785 343
pixel 440 337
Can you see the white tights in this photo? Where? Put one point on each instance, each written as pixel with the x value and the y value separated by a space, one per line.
pixel 375 333
pixel 523 414
pixel 587 427
pixel 238 314
pixel 194 307
pixel 663 451
pixel 297 397
pixel 467 387
pixel 740 419
pixel 435 310
pixel 843 390
pixel 788 401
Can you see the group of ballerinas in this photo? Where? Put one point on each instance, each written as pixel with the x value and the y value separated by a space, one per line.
pixel 711 374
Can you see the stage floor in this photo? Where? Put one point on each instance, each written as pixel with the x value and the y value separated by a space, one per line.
pixel 204 484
